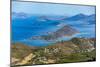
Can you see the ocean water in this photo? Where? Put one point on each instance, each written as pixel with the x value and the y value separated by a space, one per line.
pixel 25 28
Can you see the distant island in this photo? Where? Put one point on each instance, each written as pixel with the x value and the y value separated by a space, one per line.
pixel 64 31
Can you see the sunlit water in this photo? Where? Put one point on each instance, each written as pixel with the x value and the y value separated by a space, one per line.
pixel 25 28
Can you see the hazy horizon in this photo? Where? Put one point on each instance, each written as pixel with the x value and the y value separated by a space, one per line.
pixel 49 8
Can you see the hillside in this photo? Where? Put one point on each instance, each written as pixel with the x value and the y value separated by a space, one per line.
pixel 75 50
pixel 20 50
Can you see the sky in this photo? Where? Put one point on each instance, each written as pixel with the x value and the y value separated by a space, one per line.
pixel 51 9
